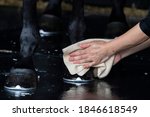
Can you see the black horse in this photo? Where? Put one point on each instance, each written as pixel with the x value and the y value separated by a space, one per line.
pixel 23 75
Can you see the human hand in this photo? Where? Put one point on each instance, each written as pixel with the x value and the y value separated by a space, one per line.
pixel 91 53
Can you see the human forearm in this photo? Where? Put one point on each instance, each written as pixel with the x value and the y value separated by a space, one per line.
pixel 130 39
pixel 135 49
pixel 93 53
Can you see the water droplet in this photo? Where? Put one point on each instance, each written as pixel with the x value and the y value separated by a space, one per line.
pixel 145 73
pixel 14 59
pixel 141 58
pixel 38 77
pixel 14 43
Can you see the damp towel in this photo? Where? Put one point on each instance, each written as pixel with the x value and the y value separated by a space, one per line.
pixel 101 70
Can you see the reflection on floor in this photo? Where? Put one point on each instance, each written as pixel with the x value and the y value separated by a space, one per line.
pixel 129 79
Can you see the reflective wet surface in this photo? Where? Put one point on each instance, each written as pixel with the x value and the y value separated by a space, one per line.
pixel 129 79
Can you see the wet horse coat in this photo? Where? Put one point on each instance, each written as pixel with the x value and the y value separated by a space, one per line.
pixel 30 36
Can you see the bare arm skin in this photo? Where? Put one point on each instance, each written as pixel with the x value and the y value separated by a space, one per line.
pixel 130 39
pixel 94 53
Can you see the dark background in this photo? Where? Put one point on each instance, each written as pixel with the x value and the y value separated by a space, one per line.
pixel 129 79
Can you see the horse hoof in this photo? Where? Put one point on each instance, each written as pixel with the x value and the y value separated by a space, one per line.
pixel 79 80
pixel 19 93
pixel 50 26
pixel 21 80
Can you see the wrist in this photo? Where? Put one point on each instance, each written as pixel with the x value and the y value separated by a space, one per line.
pixel 111 47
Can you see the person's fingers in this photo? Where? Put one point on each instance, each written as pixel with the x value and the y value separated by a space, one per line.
pixel 82 61
pixel 76 58
pixel 88 65
pixel 85 45
pixel 77 53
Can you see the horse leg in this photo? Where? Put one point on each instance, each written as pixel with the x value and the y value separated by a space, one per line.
pixel 53 8
pixel 29 36
pixel 76 32
pixel 77 25
pixel 50 21
pixel 117 13
pixel 117 23
pixel 23 76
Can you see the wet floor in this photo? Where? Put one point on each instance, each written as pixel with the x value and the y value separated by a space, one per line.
pixel 129 79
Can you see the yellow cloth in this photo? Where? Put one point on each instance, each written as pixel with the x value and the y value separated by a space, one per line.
pixel 100 70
